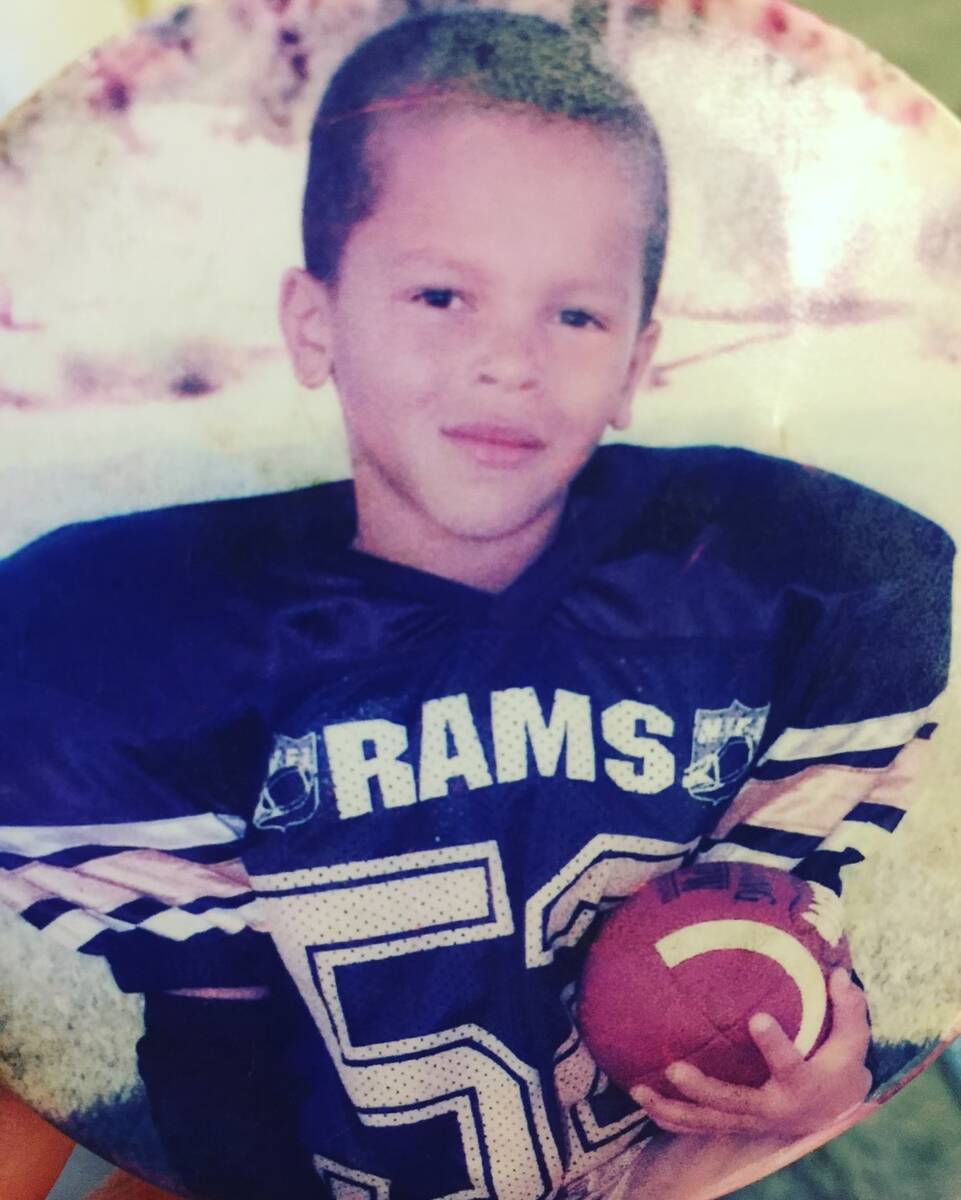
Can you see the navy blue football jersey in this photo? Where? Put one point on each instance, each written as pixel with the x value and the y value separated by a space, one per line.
pixel 227 736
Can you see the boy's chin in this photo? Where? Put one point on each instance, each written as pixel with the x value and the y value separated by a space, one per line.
pixel 491 526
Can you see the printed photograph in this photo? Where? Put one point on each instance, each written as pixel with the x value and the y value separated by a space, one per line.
pixel 476 690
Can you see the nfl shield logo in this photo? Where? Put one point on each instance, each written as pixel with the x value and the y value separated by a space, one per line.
pixel 290 794
pixel 724 744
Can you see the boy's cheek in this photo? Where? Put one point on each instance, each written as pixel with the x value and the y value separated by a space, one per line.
pixel 418 369
pixel 587 384
pixel 585 415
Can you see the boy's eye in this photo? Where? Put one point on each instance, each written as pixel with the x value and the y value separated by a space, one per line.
pixel 577 318
pixel 437 297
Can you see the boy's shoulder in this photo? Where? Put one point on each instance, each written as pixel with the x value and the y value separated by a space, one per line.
pixel 237 536
pixel 167 604
pixel 766 517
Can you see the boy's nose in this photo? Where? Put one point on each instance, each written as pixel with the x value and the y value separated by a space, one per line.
pixel 510 359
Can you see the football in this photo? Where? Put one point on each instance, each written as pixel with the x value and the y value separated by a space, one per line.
pixel 678 970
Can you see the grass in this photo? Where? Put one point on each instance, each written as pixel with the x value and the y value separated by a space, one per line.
pixel 921 36
pixel 909 1150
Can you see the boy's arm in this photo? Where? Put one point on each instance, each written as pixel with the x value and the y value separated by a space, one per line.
pixel 127 850
pixel 32 1153
pixel 850 732
pixel 852 737
pixel 217 1072
pixel 109 849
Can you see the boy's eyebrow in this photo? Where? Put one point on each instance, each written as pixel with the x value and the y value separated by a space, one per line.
pixel 435 260
pixel 602 287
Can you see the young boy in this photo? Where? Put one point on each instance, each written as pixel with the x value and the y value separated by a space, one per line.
pixel 483 692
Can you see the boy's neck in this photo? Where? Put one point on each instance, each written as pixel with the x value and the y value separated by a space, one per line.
pixel 489 564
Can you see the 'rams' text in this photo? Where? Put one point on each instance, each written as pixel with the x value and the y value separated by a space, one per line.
pixel 362 752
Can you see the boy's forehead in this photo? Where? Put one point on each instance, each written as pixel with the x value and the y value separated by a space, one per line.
pixel 463 116
pixel 478 146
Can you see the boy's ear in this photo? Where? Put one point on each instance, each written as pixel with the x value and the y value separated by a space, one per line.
pixel 305 319
pixel 644 348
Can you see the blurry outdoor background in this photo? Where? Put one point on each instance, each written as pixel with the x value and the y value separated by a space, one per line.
pixel 911 1150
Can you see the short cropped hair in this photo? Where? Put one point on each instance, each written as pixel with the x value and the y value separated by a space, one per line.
pixel 496 57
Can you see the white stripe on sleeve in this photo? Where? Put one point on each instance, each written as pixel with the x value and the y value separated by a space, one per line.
pixel 18 894
pixel 170 833
pixel 732 852
pixel 105 884
pixel 881 733
pixel 77 927
pixel 168 878
pixel 77 888
pixel 863 836
pixel 178 926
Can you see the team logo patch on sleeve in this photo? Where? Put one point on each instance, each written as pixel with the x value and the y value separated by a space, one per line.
pixel 724 744
pixel 290 795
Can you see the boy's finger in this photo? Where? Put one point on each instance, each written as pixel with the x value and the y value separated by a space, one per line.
pixel 849 1017
pixel 676 1116
pixel 726 1097
pixel 780 1053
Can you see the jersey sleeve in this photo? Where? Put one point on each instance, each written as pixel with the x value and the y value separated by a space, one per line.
pixel 116 847
pixel 855 722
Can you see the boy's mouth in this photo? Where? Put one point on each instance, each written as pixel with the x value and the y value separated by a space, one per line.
pixel 495 445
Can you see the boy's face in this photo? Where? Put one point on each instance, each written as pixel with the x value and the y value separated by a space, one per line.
pixel 484 329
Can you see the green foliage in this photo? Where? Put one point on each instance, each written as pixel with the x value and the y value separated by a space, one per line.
pixel 921 36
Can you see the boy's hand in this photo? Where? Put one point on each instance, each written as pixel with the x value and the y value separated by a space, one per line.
pixel 801 1095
